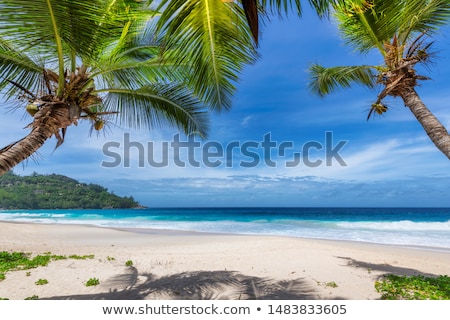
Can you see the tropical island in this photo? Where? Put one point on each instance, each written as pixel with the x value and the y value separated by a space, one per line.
pixel 55 191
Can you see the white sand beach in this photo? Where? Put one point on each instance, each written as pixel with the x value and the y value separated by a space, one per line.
pixel 182 265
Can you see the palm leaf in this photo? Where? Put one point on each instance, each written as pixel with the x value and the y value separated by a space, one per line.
pixel 326 80
pixel 423 16
pixel 368 25
pixel 135 67
pixel 131 74
pixel 212 39
pixel 137 33
pixel 18 66
pixel 281 6
pixel 79 23
pixel 322 7
pixel 134 60
pixel 152 105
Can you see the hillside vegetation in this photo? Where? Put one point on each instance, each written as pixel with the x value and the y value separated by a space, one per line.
pixel 56 192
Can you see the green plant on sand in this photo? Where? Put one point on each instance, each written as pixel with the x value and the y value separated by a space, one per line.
pixel 41 282
pixel 129 263
pixel 92 282
pixel 393 287
pixel 10 261
pixel 22 261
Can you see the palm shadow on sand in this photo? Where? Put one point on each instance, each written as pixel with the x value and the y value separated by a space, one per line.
pixel 200 285
pixel 385 268
pixel 219 285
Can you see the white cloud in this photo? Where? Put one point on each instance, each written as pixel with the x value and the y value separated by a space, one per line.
pixel 246 120
pixel 255 190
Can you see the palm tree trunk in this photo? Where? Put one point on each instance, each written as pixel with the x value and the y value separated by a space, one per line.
pixel 18 151
pixel 433 127
pixel 47 122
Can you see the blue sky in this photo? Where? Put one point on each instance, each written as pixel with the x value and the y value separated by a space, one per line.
pixel 389 161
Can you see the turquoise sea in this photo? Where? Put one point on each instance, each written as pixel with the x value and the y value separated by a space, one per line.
pixel 429 227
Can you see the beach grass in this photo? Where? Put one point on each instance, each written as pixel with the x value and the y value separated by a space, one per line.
pixel 21 261
pixel 394 287
pixel 92 282
pixel 41 282
pixel 10 261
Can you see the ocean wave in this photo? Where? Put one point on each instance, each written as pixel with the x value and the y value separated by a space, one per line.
pixel 396 225
pixel 31 216
pixel 402 232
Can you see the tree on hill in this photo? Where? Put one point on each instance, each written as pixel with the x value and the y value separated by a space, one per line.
pixel 56 192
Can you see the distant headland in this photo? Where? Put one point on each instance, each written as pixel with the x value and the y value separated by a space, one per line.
pixel 55 191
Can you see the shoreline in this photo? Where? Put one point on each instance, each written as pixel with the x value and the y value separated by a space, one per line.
pixel 169 264
pixel 156 231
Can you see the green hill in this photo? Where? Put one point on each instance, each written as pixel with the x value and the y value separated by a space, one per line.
pixel 56 192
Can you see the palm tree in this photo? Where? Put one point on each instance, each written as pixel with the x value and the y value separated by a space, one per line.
pixel 66 61
pixel 400 30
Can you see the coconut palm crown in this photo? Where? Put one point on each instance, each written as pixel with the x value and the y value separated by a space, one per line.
pixel 400 30
pixel 65 61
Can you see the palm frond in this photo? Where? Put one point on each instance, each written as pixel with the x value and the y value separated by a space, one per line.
pixel 213 40
pixel 423 16
pixel 326 80
pixel 132 74
pixel 137 34
pixel 134 60
pixel 323 7
pixel 367 25
pixel 17 66
pixel 81 24
pixel 281 7
pixel 155 104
